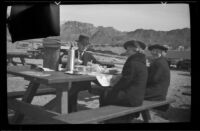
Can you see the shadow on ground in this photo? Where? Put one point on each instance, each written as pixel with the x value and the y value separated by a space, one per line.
pixel 175 114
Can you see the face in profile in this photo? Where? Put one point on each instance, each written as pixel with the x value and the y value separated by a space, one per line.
pixel 130 50
pixel 81 47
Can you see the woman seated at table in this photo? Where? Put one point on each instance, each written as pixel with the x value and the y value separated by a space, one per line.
pixel 83 58
pixel 130 89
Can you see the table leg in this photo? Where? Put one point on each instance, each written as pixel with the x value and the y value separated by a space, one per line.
pixel 22 60
pixel 62 98
pixel 146 116
pixel 28 97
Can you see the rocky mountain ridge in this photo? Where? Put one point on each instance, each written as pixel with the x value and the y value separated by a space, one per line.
pixel 100 35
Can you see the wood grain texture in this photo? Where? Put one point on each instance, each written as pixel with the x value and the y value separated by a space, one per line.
pixel 34 112
pixel 54 78
pixel 107 112
pixel 18 94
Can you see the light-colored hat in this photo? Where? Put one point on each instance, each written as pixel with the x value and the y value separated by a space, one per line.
pixel 134 43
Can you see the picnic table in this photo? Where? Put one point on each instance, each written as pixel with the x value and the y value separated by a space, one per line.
pixel 21 55
pixel 61 82
pixel 54 79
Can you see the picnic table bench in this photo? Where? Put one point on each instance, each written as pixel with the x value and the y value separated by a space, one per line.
pixel 93 116
pixel 40 92
pixel 21 55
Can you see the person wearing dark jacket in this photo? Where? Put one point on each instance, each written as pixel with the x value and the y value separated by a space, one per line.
pixel 82 54
pixel 83 58
pixel 130 89
pixel 158 75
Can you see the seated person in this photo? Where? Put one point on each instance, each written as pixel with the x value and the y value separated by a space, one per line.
pixel 83 57
pixel 130 89
pixel 158 75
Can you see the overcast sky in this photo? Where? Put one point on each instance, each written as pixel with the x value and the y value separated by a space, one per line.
pixel 128 17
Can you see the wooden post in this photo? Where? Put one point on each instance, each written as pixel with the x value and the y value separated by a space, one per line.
pixel 51 53
pixel 146 116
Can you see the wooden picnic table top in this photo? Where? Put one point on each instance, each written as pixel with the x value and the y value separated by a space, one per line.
pixel 55 77
pixel 16 54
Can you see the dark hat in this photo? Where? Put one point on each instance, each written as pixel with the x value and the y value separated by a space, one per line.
pixel 134 43
pixel 156 46
pixel 83 40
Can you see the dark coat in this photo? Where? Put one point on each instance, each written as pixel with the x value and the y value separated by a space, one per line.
pixel 87 57
pixel 158 80
pixel 130 89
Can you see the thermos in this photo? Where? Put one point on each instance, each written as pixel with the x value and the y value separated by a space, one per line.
pixel 71 59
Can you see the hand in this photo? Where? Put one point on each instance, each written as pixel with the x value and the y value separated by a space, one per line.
pixel 78 62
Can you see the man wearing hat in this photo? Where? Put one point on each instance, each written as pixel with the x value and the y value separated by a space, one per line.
pixel 158 75
pixel 81 55
pixel 130 89
pixel 83 58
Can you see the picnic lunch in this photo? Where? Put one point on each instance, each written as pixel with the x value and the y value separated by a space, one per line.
pixel 124 93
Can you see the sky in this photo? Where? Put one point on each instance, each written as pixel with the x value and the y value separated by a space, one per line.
pixel 129 17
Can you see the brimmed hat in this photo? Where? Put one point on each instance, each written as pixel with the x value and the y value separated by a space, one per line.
pixel 134 43
pixel 83 40
pixel 156 46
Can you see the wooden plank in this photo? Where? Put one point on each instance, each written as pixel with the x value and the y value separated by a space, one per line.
pixel 44 91
pixel 36 113
pixel 146 116
pixel 60 102
pixel 62 97
pixel 54 78
pixel 107 112
pixel 17 54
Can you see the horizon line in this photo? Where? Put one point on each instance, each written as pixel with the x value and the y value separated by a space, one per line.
pixel 63 22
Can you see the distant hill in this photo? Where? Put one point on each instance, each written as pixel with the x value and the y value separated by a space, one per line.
pixel 70 31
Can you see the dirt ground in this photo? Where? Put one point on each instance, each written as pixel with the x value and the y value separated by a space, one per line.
pixel 180 90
